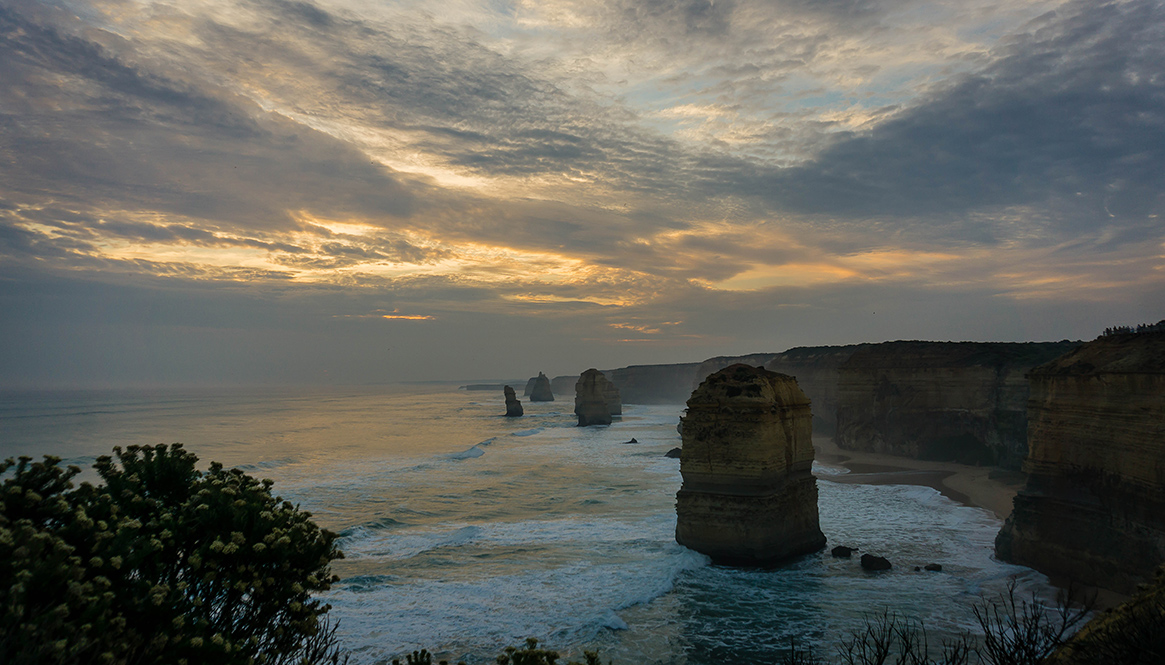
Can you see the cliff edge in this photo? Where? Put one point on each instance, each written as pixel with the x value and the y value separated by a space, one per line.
pixel 947 401
pixel 1093 509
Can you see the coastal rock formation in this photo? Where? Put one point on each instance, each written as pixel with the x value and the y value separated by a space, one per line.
pixel 748 496
pixel 590 399
pixel 654 384
pixel 841 552
pixel 951 401
pixel 1093 509
pixel 564 385
pixel 611 397
pixel 513 406
pixel 817 370
pixel 874 562
pixel 540 390
pixel 713 365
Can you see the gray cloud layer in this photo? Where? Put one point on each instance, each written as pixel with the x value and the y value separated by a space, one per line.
pixel 583 169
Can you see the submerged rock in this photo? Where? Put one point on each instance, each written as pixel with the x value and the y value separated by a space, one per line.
pixel 872 562
pixel 748 496
pixel 842 552
pixel 933 567
pixel 540 390
pixel 513 406
pixel 590 403
pixel 674 453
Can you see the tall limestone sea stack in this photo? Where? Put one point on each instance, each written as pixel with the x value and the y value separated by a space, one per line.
pixel 590 399
pixel 748 495
pixel 1093 510
pixel 513 406
pixel 540 391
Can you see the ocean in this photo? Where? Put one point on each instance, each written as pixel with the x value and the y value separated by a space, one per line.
pixel 465 531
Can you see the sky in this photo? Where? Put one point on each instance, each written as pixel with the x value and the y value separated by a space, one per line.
pixel 248 192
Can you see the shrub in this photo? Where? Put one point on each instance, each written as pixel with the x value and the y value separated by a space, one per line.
pixel 161 563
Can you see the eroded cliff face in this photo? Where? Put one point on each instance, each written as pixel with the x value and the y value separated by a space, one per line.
pixel 748 495
pixel 817 370
pixel 956 401
pixel 1093 509
pixel 654 384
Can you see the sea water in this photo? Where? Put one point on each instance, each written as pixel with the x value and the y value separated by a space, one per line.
pixel 465 531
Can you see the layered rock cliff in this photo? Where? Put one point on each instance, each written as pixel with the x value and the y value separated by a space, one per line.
pixel 540 390
pixel 956 401
pixel 817 370
pixel 564 385
pixel 590 399
pixel 748 495
pixel 513 406
pixel 713 365
pixel 1093 509
pixel 655 384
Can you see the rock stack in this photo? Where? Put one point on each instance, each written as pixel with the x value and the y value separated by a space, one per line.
pixel 513 406
pixel 748 494
pixel 1093 509
pixel 539 389
pixel 590 398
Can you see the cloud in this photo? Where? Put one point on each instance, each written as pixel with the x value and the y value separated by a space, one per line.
pixel 716 177
pixel 1070 116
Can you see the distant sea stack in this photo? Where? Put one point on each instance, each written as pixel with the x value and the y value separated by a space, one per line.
pixel 950 401
pixel 1093 510
pixel 590 398
pixel 748 495
pixel 540 391
pixel 513 406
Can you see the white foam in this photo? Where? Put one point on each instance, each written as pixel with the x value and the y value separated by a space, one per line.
pixel 473 452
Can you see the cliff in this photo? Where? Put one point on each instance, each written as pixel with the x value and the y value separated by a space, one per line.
pixel 564 385
pixel 951 401
pixel 817 370
pixel 713 365
pixel 1093 509
pixel 748 495
pixel 654 384
pixel 590 399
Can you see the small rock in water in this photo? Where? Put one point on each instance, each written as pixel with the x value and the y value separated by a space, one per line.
pixel 633 440
pixel 842 552
pixel 934 567
pixel 674 453
pixel 917 569
pixel 871 562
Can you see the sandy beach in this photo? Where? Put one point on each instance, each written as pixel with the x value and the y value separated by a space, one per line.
pixel 980 486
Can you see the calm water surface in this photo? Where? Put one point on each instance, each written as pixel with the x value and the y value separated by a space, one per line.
pixel 466 531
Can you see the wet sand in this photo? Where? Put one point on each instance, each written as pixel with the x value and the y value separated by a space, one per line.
pixel 979 486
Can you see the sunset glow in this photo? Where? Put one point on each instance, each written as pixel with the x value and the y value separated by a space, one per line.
pixel 714 177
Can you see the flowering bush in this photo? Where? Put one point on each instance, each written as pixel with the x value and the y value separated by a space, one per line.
pixel 161 563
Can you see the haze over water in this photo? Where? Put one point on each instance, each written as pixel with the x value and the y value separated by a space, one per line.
pixel 465 531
